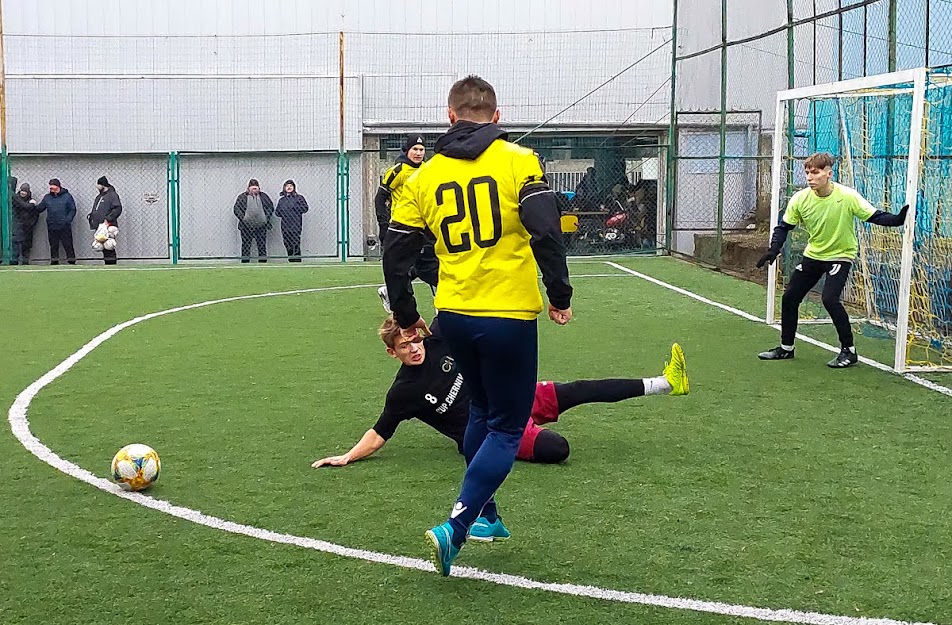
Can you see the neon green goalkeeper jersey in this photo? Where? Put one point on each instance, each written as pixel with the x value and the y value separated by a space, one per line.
pixel 829 221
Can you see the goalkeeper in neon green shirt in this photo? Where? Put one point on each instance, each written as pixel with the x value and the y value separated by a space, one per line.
pixel 826 211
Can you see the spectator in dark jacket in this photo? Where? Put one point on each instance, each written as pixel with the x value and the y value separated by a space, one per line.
pixel 291 206
pixel 106 208
pixel 60 209
pixel 25 216
pixel 586 193
pixel 254 210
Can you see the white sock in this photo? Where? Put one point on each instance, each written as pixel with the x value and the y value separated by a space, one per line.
pixel 788 348
pixel 852 349
pixel 657 386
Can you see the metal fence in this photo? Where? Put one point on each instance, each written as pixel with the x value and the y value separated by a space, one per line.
pixel 718 188
pixel 643 156
pixel 182 206
pixel 724 82
pixel 606 186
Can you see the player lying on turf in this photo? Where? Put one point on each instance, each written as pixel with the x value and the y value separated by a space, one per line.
pixel 428 387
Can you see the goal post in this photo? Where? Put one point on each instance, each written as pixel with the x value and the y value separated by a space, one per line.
pixel 891 139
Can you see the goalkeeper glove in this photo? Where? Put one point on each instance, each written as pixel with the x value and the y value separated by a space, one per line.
pixel 768 258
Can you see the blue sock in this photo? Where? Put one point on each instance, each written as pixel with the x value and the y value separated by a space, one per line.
pixel 459 533
pixel 485 473
pixel 490 512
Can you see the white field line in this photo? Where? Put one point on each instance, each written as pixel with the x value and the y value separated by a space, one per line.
pixel 20 426
pixel 932 386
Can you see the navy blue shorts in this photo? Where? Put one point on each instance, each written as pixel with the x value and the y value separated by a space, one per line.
pixel 499 360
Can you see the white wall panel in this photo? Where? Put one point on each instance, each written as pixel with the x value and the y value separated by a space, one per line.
pixel 96 115
pixel 102 76
pixel 244 17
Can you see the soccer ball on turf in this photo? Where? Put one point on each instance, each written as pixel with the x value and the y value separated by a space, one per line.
pixel 135 467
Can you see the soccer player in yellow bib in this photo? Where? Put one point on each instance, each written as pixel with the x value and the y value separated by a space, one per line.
pixel 392 180
pixel 388 194
pixel 495 219
pixel 826 211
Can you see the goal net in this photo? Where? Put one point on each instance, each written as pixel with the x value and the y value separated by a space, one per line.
pixel 891 137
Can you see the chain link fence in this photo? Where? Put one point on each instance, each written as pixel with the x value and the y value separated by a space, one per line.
pixel 193 206
pixel 654 138
pixel 214 220
pixel 141 182
pixel 732 57
pixel 719 189
pixel 606 188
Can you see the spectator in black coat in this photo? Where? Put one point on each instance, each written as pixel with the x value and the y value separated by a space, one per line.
pixel 586 193
pixel 106 208
pixel 291 206
pixel 60 209
pixel 254 210
pixel 25 217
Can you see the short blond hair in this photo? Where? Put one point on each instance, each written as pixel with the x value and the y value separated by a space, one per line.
pixel 389 332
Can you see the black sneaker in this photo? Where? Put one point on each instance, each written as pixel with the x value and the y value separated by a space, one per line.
pixel 845 358
pixel 777 353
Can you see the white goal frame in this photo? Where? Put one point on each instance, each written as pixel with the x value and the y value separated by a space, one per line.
pixel 917 77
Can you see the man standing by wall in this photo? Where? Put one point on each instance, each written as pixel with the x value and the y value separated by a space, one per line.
pixel 291 207
pixel 254 210
pixel 106 208
pixel 25 216
pixel 60 209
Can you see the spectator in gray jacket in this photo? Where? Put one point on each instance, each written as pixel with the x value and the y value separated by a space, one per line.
pixel 254 210
pixel 106 208
pixel 60 209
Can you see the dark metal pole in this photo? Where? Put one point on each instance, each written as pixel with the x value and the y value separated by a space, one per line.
pixel 928 24
pixel 723 138
pixel 893 27
pixel 839 47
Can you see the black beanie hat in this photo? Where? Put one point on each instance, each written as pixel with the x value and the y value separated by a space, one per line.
pixel 54 182
pixel 412 140
pixel 253 183
pixel 103 182
pixel 289 182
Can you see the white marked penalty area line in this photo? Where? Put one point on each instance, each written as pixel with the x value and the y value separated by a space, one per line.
pixel 932 386
pixel 20 427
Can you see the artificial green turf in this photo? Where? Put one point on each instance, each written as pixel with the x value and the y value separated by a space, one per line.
pixel 780 485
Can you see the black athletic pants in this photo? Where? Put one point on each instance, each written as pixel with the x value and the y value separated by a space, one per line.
pixel 805 276
pixel 62 236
